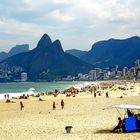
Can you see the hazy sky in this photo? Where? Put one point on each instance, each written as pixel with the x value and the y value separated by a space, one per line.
pixel 77 23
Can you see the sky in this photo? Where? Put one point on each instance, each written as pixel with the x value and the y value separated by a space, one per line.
pixel 76 23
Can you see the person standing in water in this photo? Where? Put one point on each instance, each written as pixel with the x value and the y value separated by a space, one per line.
pixel 5 96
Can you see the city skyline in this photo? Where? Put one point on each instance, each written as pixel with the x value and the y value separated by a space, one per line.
pixel 78 24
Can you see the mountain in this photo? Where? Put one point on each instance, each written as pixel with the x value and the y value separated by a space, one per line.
pixel 3 55
pixel 47 61
pixel 113 52
pixel 19 49
pixel 15 50
pixel 75 52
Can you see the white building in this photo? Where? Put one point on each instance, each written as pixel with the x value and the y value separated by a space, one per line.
pixel 107 75
pixel 137 66
pixel 119 74
pixel 23 76
pixel 125 70
pixel 92 75
pixel 95 74
pixel 132 72
pixel 137 63
pixel 80 75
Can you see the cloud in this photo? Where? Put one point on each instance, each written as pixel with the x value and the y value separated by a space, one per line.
pixel 57 15
pixel 77 23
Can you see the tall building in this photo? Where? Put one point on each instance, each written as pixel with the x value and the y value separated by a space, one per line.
pixel 137 63
pixel 137 67
pixel 96 74
pixel 23 76
pixel 116 68
pixel 92 75
pixel 119 74
pixel 124 71
pixel 132 72
pixel 80 75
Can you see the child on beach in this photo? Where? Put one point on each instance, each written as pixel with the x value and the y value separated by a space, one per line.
pixel 21 105
pixel 62 104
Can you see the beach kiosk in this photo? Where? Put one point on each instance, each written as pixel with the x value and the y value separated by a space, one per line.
pixel 132 121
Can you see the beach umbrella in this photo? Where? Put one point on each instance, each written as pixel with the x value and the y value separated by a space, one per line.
pixel 70 89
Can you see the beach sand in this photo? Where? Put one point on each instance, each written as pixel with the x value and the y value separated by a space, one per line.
pixel 88 116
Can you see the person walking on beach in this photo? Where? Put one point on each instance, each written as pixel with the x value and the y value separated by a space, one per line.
pixel 21 105
pixel 91 91
pixel 107 96
pixel 62 104
pixel 94 94
pixel 54 107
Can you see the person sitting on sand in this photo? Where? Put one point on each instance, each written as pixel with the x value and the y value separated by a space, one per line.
pixel 40 99
pixel 21 105
pixel 8 101
pixel 74 95
pixel 62 104
pixel 119 126
pixel 54 107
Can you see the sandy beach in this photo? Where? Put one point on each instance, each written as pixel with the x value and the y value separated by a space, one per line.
pixel 91 118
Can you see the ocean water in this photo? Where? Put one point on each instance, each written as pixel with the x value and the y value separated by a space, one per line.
pixel 17 89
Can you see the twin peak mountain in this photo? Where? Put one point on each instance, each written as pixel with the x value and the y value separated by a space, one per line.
pixel 47 61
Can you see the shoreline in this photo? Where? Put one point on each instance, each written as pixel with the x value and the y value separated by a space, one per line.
pixel 81 86
pixel 19 93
